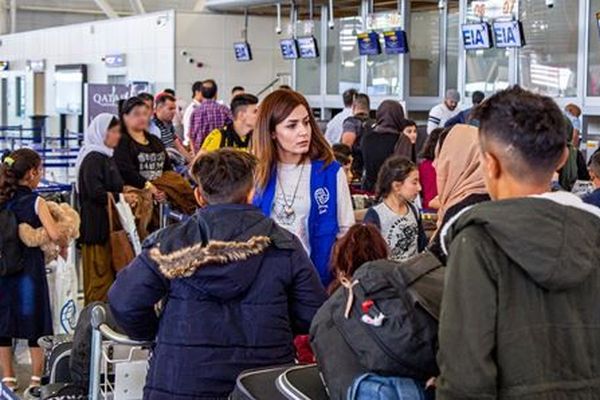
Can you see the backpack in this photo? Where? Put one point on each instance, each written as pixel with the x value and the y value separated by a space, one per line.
pixel 11 247
pixel 375 387
pixel 391 328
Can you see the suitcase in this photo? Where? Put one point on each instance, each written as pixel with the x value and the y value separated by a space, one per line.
pixel 57 351
pixel 259 384
pixel 302 382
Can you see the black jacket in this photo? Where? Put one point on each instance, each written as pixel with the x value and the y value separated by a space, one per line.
pixel 521 307
pixel 238 310
pixel 98 176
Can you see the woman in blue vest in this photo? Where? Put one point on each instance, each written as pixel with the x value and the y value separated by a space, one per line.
pixel 299 184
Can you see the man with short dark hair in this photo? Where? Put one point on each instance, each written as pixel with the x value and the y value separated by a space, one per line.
pixel 464 117
pixel 334 130
pixel 520 315
pixel 162 126
pixel 187 115
pixel 236 287
pixel 354 127
pixel 237 134
pixel 444 111
pixel 208 116
pixel 236 91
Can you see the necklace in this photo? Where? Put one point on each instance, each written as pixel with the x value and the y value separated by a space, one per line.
pixel 288 209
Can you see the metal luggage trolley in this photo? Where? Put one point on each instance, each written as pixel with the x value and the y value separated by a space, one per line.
pixel 118 364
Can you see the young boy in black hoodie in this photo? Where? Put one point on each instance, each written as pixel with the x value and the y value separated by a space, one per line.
pixel 521 309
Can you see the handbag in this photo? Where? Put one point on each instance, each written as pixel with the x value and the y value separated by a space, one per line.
pixel 120 247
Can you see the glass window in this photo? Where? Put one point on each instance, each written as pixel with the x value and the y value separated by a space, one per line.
pixel 424 53
pixel 343 61
pixel 383 71
pixel 308 78
pixel 452 45
pixel 549 61
pixel 593 84
pixel 486 70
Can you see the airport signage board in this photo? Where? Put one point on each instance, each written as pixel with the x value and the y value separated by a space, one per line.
pixel 368 44
pixel 104 98
pixel 242 51
pixel 114 60
pixel 476 36
pixel 508 34
pixel 307 46
pixel 395 42
pixel 289 49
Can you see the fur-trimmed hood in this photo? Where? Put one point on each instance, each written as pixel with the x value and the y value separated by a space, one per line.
pixel 219 250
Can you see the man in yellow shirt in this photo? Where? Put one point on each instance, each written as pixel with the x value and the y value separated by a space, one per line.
pixel 244 108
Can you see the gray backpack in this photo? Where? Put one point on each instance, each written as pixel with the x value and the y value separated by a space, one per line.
pixel 391 327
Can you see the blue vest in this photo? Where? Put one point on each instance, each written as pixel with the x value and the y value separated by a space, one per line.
pixel 322 221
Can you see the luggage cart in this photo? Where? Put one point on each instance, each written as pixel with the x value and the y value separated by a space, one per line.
pixel 118 364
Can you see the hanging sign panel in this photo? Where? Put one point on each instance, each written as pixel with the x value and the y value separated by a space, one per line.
pixel 395 42
pixel 289 49
pixel 368 44
pixel 508 34
pixel 476 36
pixel 242 51
pixel 307 47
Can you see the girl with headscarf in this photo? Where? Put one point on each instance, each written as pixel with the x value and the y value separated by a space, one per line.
pixel 460 179
pixel 97 176
pixel 380 141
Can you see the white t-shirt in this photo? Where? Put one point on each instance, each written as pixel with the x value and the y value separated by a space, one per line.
pixel 335 127
pixel 187 119
pixel 297 222
pixel 439 115
pixel 401 232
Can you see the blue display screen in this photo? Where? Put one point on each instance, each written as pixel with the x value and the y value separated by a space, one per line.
pixel 289 49
pixel 368 44
pixel 476 36
pixel 395 42
pixel 508 34
pixel 307 46
pixel 242 51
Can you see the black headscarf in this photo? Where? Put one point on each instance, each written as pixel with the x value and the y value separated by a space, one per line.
pixel 390 116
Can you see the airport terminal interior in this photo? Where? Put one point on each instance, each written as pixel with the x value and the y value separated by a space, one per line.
pixel 300 199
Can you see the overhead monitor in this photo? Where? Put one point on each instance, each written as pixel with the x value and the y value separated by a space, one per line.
pixel 508 34
pixel 242 51
pixel 368 44
pixel 476 36
pixel 395 42
pixel 307 47
pixel 289 49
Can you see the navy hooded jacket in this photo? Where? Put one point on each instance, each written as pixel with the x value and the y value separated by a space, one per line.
pixel 236 289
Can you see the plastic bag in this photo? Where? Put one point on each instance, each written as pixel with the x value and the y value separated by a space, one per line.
pixel 62 283
pixel 128 222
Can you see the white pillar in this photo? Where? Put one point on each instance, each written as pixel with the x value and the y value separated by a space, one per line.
pixel 107 8
pixel 13 16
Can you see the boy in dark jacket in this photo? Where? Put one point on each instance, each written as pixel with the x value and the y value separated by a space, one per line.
pixel 236 289
pixel 521 307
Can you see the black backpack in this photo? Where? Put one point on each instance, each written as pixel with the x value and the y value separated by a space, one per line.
pixel 11 247
pixel 404 344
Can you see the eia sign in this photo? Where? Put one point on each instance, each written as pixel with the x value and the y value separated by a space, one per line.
pixel 476 36
pixel 508 34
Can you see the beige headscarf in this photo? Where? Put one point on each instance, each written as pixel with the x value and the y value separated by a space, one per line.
pixel 459 169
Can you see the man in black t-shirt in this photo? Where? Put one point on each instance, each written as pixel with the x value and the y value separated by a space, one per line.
pixel 353 129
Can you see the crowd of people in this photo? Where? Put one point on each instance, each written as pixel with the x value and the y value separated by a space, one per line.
pixel 272 235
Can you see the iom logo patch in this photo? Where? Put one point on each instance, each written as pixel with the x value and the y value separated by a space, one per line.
pixel 322 199
pixel 68 316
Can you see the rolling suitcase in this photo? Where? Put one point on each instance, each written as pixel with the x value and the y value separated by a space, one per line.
pixel 302 382
pixel 259 384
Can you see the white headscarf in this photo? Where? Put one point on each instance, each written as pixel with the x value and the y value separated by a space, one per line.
pixel 93 140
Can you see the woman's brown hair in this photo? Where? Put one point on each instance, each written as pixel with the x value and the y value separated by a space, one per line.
pixel 273 110
pixel 362 243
